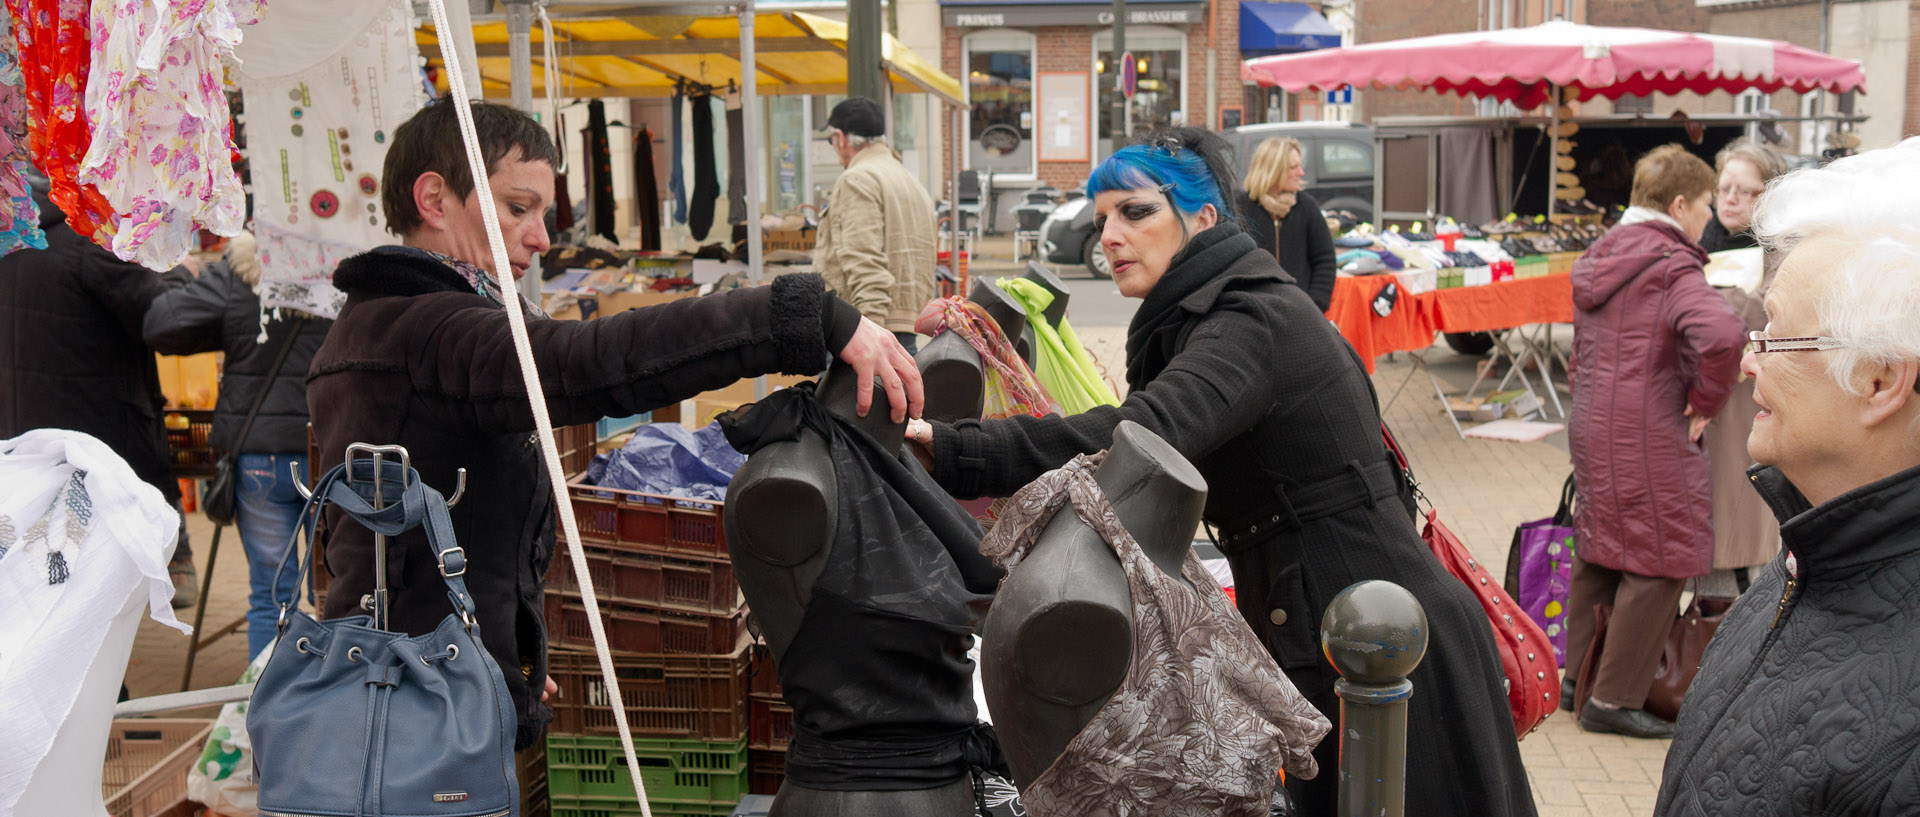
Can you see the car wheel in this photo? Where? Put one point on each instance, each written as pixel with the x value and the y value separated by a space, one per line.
pixel 1470 343
pixel 1095 257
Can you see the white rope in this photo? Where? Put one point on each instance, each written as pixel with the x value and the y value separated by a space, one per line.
pixel 550 68
pixel 510 292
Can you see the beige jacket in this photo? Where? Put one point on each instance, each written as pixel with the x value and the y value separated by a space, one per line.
pixel 877 242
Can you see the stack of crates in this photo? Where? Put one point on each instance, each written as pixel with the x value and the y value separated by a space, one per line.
pixel 676 625
pixel 770 729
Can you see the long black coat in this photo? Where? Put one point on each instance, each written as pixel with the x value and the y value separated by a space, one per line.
pixel 1232 365
pixel 416 358
pixel 1805 702
pixel 70 349
pixel 220 312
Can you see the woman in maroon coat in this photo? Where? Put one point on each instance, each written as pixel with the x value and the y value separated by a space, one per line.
pixel 1656 352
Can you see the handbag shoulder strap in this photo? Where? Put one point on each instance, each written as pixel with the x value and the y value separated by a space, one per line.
pixel 273 373
pixel 1563 515
pixel 414 504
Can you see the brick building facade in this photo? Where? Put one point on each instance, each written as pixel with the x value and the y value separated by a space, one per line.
pixel 1069 47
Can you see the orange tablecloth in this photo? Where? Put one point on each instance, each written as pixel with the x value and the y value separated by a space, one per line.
pixel 1547 299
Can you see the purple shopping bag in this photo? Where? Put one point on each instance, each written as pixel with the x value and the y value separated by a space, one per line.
pixel 1540 570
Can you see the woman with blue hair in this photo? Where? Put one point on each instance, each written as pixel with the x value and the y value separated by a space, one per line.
pixel 1237 369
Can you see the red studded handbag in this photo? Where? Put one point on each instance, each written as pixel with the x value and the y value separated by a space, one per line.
pixel 1526 656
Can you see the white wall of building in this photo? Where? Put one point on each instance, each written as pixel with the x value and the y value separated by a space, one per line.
pixel 1876 34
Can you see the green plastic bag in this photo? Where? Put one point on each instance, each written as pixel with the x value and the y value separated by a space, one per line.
pixel 1061 363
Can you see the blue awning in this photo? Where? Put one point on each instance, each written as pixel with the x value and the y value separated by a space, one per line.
pixel 1283 28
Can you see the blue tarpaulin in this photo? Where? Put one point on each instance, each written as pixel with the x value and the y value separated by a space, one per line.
pixel 1283 28
pixel 663 458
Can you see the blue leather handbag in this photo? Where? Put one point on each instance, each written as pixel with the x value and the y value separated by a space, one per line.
pixel 349 719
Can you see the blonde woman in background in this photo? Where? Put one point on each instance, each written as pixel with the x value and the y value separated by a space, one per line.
pixel 1285 221
pixel 1745 532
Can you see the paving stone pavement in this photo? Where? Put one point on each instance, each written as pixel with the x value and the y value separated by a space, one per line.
pixel 1482 488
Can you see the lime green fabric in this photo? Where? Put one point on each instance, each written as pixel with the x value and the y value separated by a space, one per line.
pixel 1062 364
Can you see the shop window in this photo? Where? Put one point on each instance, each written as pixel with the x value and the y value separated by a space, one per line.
pixel 1000 88
pixel 1160 61
pixel 1340 158
pixel 1633 103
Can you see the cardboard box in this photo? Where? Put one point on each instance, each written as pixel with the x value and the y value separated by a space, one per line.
pixel 1519 402
pixel 613 303
pixel 1477 409
pixel 796 240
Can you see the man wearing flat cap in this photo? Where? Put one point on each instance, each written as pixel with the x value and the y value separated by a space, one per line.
pixel 876 244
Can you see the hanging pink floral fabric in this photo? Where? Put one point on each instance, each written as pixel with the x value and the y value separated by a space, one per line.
pixel 19 216
pixel 54 62
pixel 161 130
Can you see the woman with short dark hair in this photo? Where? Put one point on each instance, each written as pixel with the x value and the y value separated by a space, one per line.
pixel 421 356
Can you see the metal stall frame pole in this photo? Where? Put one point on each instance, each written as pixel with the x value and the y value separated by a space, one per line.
pixel 520 53
pixel 750 123
pixel 1553 143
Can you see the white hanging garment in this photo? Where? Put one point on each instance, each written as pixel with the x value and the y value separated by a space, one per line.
pixel 161 133
pixel 82 536
pixel 325 84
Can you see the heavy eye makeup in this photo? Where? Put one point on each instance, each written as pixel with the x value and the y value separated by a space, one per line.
pixel 1130 210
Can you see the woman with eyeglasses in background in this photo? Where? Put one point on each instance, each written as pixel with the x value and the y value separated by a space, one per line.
pixel 1247 379
pixel 1745 533
pixel 1745 167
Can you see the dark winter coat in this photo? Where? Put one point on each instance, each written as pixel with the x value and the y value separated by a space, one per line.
pixel 1805 702
pixel 1301 242
pixel 1232 365
pixel 70 350
pixel 1650 338
pixel 418 359
pixel 1716 238
pixel 220 312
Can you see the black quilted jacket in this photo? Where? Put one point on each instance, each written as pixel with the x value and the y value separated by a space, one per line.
pixel 1808 698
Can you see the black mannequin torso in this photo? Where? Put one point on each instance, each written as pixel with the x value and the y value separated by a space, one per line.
pixel 1006 312
pixel 951 373
pixel 1057 643
pixel 1039 274
pixel 780 518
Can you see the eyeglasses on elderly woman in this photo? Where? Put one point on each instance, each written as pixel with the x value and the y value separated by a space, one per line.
pixel 1760 343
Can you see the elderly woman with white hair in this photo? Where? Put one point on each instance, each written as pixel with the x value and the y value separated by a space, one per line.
pixel 1808 698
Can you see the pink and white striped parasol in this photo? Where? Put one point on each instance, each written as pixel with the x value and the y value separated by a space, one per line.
pixel 1519 64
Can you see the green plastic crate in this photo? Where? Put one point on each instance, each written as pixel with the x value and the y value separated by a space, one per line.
pixel 616 807
pixel 679 774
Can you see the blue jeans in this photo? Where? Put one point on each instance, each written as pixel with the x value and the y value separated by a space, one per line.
pixel 267 511
pixel 910 340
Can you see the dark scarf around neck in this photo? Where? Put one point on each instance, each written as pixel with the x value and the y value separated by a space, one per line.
pixel 1205 257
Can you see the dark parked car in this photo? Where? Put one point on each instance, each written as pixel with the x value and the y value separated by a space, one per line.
pixel 1339 173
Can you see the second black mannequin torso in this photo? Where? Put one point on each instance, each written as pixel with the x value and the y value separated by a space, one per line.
pixel 781 518
pixel 1057 643
pixel 1006 312
pixel 951 373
